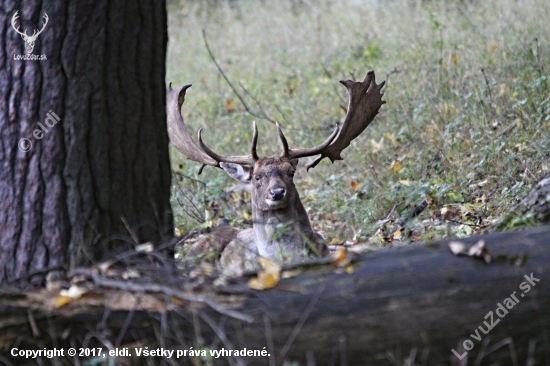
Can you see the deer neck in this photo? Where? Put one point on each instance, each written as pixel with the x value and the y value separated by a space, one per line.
pixel 282 234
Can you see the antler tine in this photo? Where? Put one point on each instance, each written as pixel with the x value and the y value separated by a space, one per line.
pixel 302 153
pixel 177 131
pixel 365 100
pixel 254 142
pixel 241 159
pixel 283 140
pixel 181 139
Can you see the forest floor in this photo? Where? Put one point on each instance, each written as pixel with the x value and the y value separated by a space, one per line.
pixel 466 127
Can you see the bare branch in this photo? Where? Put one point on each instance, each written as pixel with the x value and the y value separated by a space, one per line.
pixel 243 102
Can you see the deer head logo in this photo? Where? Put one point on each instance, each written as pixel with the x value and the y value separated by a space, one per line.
pixel 29 40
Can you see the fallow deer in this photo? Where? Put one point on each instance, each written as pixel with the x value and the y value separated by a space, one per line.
pixel 281 228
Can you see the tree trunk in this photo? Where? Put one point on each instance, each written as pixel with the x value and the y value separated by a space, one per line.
pixel 96 178
pixel 419 300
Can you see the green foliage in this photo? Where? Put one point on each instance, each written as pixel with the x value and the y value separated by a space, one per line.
pixel 467 101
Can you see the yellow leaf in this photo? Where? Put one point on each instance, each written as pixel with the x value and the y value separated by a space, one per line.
pixel 340 258
pixel 62 301
pixel 349 269
pixel 246 215
pixel 390 137
pixel 264 281
pixel 336 241
pixel 396 166
pixel 268 277
pixel 397 234
pixel 229 106
pixel 453 59
pixel 355 185
pixel 270 266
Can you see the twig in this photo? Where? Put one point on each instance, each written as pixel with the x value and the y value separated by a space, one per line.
pixel 299 325
pixel 392 210
pixel 491 107
pixel 221 335
pixel 462 223
pixel 243 102
pixel 269 339
pixel 153 287
pixel 282 114
pixel 195 215
pixel 257 103
pixel 132 233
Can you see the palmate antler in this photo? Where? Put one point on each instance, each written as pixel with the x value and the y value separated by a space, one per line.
pixel 365 101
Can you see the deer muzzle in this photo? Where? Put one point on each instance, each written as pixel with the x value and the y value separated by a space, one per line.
pixel 277 193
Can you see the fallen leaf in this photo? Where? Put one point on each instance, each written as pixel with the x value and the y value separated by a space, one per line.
pixel 67 296
pixel 478 250
pixel 336 241
pixel 229 106
pixel 377 146
pixel 340 258
pixel 396 166
pixel 145 247
pixel 268 277
pixel 397 234
pixel 355 186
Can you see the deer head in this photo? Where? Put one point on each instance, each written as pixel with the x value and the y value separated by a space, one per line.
pixel 29 40
pixel 275 200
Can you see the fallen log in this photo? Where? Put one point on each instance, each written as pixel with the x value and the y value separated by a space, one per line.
pixel 416 303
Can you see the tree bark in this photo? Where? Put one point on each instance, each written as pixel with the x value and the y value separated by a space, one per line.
pixel 420 300
pixel 65 201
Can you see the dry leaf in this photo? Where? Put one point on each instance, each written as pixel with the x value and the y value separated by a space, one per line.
pixel 229 106
pixel 355 186
pixel 397 234
pixel 340 258
pixel 145 247
pixel 67 296
pixel 458 248
pixel 291 273
pixel 336 241
pixel 377 146
pixel 264 281
pixel 62 301
pixel 478 250
pixel 396 166
pixel 268 277
pixel 130 273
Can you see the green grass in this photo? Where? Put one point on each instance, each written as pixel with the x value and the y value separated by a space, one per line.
pixel 466 122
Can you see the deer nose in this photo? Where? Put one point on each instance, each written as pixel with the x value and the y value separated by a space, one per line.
pixel 277 193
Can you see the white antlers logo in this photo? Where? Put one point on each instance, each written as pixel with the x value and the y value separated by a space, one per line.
pixel 29 40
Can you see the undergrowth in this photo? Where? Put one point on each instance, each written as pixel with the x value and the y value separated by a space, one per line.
pixel 465 127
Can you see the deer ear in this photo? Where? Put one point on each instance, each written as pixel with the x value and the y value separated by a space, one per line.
pixel 237 171
pixel 294 162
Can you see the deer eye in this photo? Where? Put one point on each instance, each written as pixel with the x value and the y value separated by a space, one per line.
pixel 291 173
pixel 257 177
